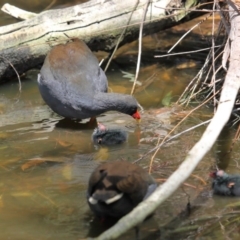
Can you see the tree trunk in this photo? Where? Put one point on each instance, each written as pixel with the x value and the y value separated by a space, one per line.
pixel 99 23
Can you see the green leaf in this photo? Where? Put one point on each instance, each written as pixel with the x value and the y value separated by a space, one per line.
pixel 166 101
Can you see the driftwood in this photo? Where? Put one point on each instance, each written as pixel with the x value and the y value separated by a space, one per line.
pixel 24 45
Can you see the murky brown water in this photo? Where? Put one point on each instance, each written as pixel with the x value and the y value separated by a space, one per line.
pixel 47 200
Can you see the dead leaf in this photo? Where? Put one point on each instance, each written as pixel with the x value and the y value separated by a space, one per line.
pixel 67 172
pixel 11 160
pixel 32 163
pixel 37 161
pixel 64 143
pixel 102 154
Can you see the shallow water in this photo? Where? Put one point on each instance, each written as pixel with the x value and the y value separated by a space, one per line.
pixel 45 162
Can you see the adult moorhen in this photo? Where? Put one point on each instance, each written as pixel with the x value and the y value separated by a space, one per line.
pixel 115 188
pixel 74 86
pixel 104 136
pixel 225 184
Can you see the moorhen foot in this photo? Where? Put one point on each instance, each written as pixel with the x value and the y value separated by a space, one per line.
pixel 225 184
pixel 115 188
pixel 104 136
pixel 74 86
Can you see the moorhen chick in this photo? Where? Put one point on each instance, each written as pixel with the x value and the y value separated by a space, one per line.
pixel 225 184
pixel 74 86
pixel 104 136
pixel 115 188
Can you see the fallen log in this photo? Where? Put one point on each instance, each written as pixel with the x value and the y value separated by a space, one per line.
pixel 24 45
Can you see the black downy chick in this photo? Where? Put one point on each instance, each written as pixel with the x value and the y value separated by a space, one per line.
pixel 225 184
pixel 104 136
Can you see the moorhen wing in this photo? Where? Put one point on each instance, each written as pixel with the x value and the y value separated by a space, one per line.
pixel 225 184
pixel 74 86
pixel 104 136
pixel 115 188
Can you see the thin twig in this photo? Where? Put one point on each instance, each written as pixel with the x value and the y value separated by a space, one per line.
pixel 19 80
pixel 46 197
pixel 184 35
pixel 120 37
pixel 171 138
pixel 236 137
pixel 199 178
pixel 181 53
pixel 151 162
pixel 140 45
pixel 213 59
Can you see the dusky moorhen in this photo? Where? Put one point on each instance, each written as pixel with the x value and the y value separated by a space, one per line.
pixel 74 86
pixel 104 136
pixel 115 188
pixel 225 184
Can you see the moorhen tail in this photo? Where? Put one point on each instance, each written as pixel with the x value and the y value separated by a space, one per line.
pixel 115 188
pixel 74 86
pixel 104 136
pixel 225 184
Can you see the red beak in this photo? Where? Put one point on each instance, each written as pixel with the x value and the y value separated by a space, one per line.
pixel 136 115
